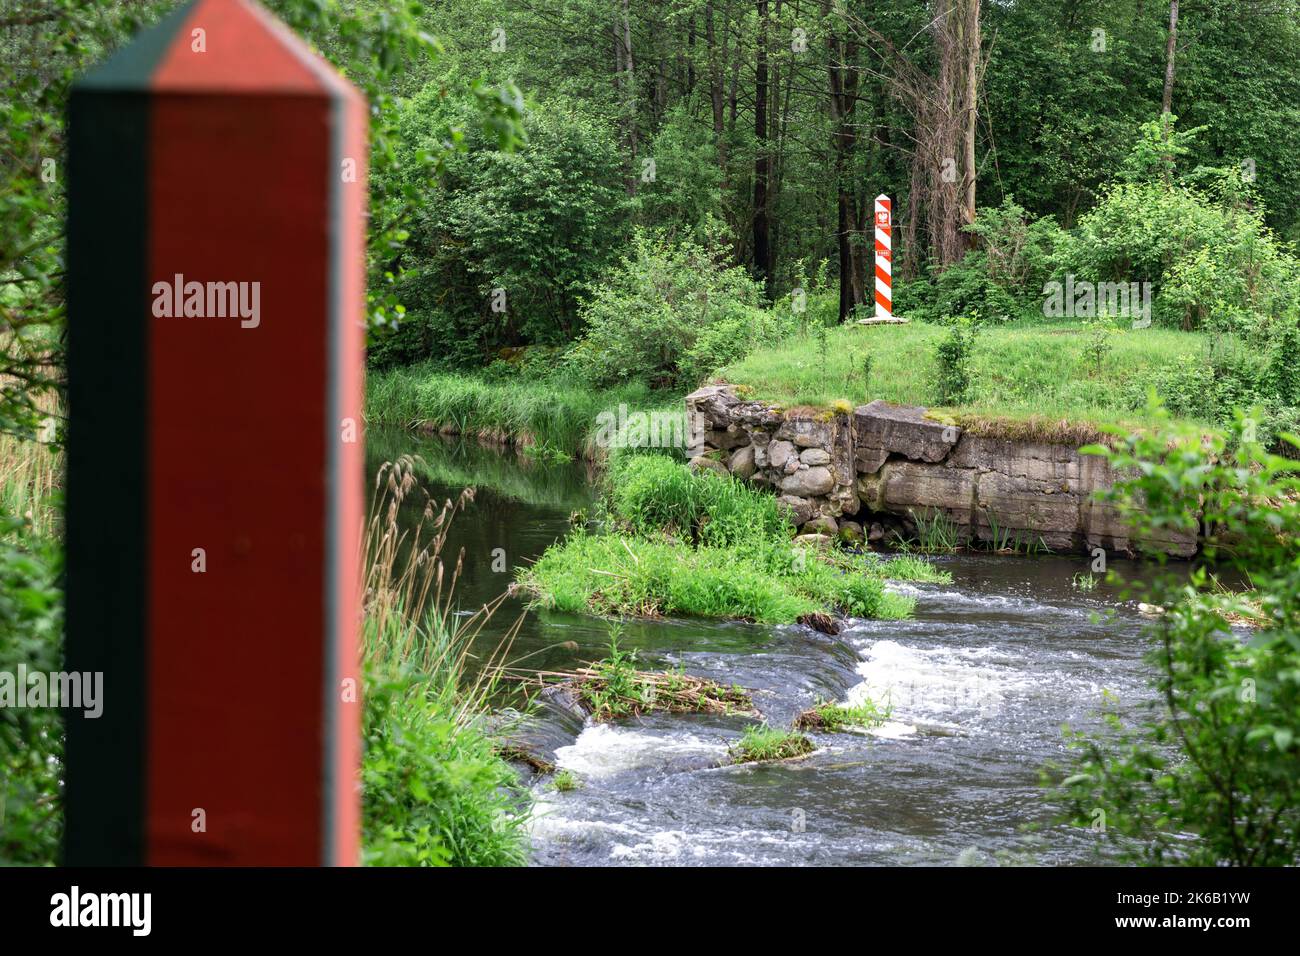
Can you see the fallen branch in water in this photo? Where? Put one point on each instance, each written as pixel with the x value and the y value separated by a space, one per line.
pixel 613 689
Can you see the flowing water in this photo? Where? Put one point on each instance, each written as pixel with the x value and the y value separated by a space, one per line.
pixel 980 681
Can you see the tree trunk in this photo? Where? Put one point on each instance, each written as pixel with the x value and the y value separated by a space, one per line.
pixel 624 31
pixel 972 54
pixel 949 130
pixel 716 96
pixel 762 161
pixel 1167 102
pixel 850 215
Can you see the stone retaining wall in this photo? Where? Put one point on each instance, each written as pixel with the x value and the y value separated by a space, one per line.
pixel 881 465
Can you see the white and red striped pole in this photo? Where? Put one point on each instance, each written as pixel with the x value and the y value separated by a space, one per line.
pixel 884 258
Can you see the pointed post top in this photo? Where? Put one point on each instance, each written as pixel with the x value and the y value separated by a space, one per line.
pixel 220 47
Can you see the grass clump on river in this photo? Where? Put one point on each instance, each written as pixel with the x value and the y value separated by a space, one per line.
pixel 677 542
pixel 613 688
pixel 435 789
pixel 764 743
pixel 832 717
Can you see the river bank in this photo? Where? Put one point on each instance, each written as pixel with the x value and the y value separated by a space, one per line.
pixel 1001 469
pixel 980 681
pixel 539 418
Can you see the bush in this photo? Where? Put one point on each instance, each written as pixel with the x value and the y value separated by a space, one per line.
pixel 435 793
pixel 953 353
pixel 1208 776
pixel 669 315
pixel 31 739
pixel 1200 241
pixel 539 223
pixel 962 289
pixel 998 282
pixel 1212 386
pixel 1019 252
pixel 420 335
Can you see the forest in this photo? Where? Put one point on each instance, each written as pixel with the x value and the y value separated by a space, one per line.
pixel 579 208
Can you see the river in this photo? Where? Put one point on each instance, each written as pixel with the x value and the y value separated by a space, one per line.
pixel 981 682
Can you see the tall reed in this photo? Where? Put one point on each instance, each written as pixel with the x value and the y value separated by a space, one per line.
pixel 435 790
pixel 412 619
pixel 31 472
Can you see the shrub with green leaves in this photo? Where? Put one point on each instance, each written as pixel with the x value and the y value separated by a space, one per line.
pixel 1231 375
pixel 1199 239
pixel 435 792
pixel 953 356
pixel 669 314
pixel 1208 775
pixel 538 224
pixel 31 738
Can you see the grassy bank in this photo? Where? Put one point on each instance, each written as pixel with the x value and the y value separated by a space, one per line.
pixel 543 416
pixel 1026 379
pixel 677 542
pixel 435 790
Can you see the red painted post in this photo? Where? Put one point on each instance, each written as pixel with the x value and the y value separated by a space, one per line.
pixel 214 501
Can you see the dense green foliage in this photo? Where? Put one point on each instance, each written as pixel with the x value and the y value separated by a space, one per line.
pixel 506 243
pixel 669 315
pixel 31 621
pixel 435 791
pixel 1208 776
pixel 683 190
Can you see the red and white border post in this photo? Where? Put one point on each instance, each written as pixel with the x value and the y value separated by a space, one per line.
pixel 884 258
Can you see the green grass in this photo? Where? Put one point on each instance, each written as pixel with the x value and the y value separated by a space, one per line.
pixel 1006 541
pixel 832 717
pixel 1029 379
pixel 697 544
pixel 564 782
pixel 936 533
pixel 547 418
pixel 770 743
pixel 907 567
pixel 653 494
pixel 611 575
